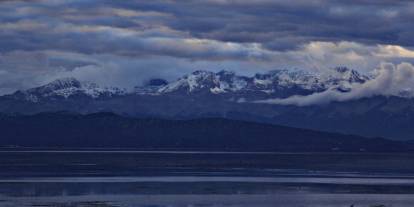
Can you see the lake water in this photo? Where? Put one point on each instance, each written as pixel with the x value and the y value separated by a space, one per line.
pixel 169 178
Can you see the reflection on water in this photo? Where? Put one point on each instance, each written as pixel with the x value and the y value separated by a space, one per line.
pixel 133 179
pixel 289 200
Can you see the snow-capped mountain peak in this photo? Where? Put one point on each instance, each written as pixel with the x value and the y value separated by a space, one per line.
pixel 349 75
pixel 59 84
pixel 289 79
pixel 276 83
pixel 67 87
pixel 269 83
pixel 221 82
pixel 342 78
pixel 196 80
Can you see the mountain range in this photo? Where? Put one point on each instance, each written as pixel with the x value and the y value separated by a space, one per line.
pixel 205 94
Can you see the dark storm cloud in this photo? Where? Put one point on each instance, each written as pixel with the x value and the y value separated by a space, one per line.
pixel 383 22
pixel 277 25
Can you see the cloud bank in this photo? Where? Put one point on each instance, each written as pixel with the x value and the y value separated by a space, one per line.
pixel 389 80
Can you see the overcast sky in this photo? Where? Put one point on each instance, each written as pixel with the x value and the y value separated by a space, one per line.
pixel 124 43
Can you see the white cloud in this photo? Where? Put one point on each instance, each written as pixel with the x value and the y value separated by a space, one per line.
pixel 389 80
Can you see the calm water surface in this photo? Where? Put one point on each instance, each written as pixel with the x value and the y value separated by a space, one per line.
pixel 168 178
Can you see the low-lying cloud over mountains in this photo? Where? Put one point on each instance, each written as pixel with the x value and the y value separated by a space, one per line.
pixel 388 80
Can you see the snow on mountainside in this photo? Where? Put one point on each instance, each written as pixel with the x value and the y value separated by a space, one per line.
pixel 271 82
pixel 223 81
pixel 274 83
pixel 67 87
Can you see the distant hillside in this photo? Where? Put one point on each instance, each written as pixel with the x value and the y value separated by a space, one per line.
pixel 109 130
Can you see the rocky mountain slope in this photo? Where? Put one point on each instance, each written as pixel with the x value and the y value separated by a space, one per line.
pixel 225 94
